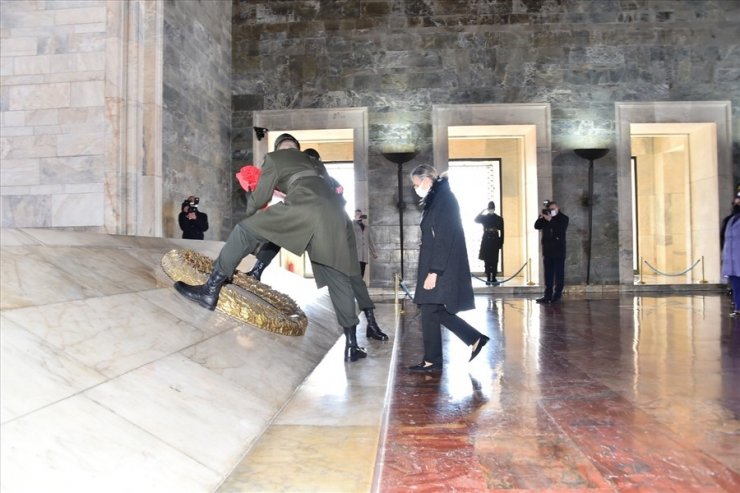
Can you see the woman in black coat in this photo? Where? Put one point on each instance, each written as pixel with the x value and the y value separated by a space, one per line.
pixel 443 285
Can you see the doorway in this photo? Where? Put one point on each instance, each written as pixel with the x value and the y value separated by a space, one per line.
pixel 519 136
pixel 475 182
pixel 694 143
pixel 335 147
pixel 339 135
pixel 673 173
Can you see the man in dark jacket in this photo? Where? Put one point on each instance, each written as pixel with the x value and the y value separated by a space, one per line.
pixel 553 224
pixel 193 223
pixel 310 219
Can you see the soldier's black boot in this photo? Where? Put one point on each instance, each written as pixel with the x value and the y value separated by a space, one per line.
pixel 352 352
pixel 206 295
pixel 257 269
pixel 373 330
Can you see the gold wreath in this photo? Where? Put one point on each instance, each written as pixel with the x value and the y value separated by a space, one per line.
pixel 260 305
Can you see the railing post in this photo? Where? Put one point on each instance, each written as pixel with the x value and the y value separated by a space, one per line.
pixel 703 279
pixel 529 272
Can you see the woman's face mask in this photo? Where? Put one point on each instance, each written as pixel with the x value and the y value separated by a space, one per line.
pixel 421 189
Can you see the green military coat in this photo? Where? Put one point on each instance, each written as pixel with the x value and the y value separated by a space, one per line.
pixel 311 217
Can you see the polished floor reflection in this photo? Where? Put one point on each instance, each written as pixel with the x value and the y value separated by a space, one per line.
pixel 609 394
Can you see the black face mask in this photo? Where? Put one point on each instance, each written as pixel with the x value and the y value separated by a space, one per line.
pixel 736 209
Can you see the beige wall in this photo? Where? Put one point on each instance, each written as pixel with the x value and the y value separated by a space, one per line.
pixel 53 113
pixel 331 151
pixel 81 105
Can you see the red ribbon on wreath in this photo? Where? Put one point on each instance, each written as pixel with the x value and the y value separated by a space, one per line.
pixel 248 177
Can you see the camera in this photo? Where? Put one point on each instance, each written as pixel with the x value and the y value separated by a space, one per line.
pixel 363 216
pixel 192 205
pixel 546 210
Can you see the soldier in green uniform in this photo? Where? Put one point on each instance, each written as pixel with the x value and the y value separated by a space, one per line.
pixel 269 251
pixel 310 219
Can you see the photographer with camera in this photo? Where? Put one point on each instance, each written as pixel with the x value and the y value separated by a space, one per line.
pixel 365 245
pixel 553 224
pixel 193 223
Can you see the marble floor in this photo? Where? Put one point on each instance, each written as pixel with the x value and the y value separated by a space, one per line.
pixel 109 382
pixel 620 393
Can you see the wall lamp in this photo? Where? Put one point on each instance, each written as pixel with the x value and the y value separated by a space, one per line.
pixel 591 155
pixel 400 158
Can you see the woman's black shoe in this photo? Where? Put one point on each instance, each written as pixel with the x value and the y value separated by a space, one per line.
pixel 478 346
pixel 426 366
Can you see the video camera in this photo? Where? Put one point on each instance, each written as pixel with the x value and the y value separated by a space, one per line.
pixel 192 206
pixel 546 210
pixel 363 216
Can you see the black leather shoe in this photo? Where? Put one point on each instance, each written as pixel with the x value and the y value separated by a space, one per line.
pixel 544 300
pixel 555 299
pixel 373 330
pixel 425 366
pixel 478 346
pixel 354 353
pixel 206 295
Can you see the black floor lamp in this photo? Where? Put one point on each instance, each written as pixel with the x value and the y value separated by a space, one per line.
pixel 591 155
pixel 400 158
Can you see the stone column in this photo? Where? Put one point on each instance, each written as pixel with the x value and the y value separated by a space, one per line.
pixel 133 97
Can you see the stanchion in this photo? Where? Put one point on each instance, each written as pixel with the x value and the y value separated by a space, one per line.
pixel 640 271
pixel 396 293
pixel 529 272
pixel 703 279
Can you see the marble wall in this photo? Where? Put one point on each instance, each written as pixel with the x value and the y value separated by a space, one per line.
pixel 399 58
pixel 113 112
pixel 54 121
pixel 81 115
pixel 197 112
